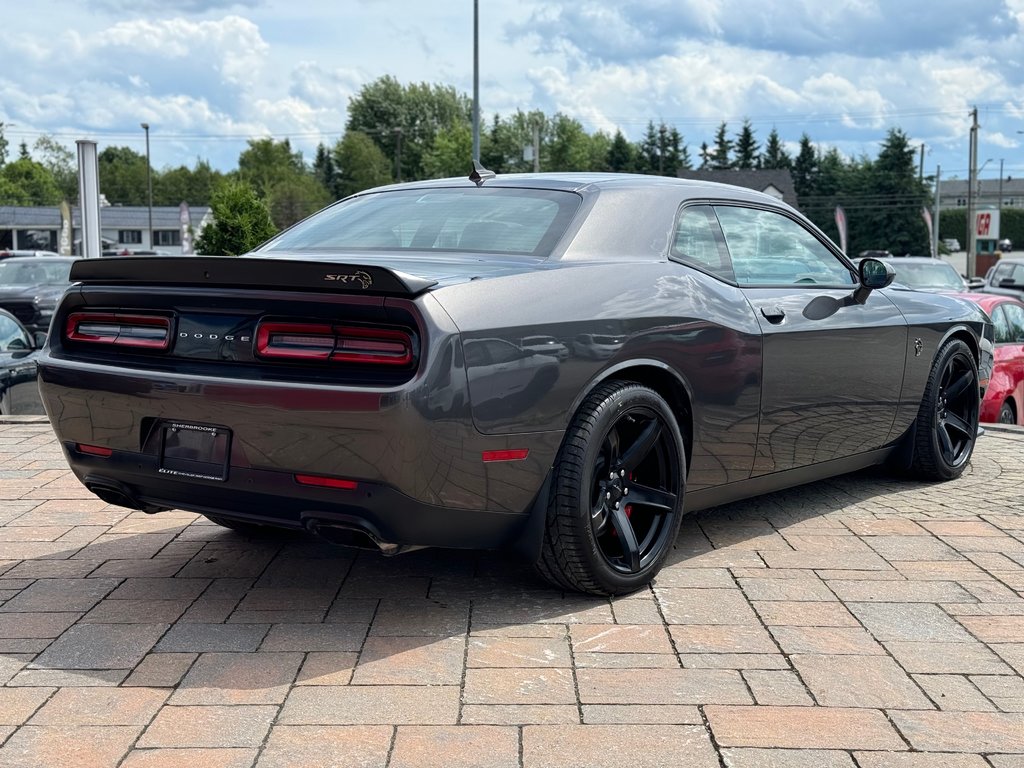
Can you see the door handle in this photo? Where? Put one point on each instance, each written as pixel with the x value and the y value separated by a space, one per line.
pixel 773 315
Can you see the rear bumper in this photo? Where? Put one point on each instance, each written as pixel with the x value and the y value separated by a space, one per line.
pixel 275 498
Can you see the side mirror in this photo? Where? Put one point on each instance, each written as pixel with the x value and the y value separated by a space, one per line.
pixel 39 337
pixel 873 274
pixel 974 283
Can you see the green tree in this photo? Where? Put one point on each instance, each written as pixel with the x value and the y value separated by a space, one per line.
pixel 804 168
pixel 775 154
pixel 677 156
pixel 3 146
pixel 122 173
pixel 26 182
pixel 746 148
pixel 359 164
pixel 502 145
pixel 195 185
pixel 895 182
pixel 407 116
pixel 240 221
pixel 450 154
pixel 719 158
pixel 568 146
pixel 60 162
pixel 705 156
pixel 621 155
pixel 323 166
pixel 266 162
pixel 296 197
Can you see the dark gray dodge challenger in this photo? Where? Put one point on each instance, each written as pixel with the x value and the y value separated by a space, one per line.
pixel 561 364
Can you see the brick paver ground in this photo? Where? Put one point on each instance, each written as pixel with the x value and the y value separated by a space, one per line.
pixel 864 621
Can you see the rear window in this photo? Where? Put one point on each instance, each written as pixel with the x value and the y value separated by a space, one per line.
pixel 498 220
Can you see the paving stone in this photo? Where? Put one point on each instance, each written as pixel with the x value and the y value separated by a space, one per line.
pixel 871 682
pixel 612 746
pixel 918 760
pixel 522 651
pixel 695 638
pixel 238 678
pixel 47 595
pixel 808 614
pixel 995 629
pixel 954 693
pixel 371 705
pixel 160 589
pixel 100 706
pixel 827 640
pixel 66 678
pixel 18 704
pixel 519 686
pixel 209 726
pixel 901 591
pixel 643 610
pixel 296 746
pixel 626 661
pixel 211 638
pixel 660 686
pixel 946 658
pixel 1006 692
pixel 808 588
pixel 519 714
pixel 733 661
pixel 802 728
pixel 100 646
pixel 786 758
pixel 412 618
pixel 465 746
pixel 704 606
pixel 410 661
pixel 161 670
pixel 135 612
pixel 194 758
pixel 315 637
pixel 35 625
pixel 909 622
pixel 904 548
pixel 327 668
pixel 777 688
pixel 625 714
pixel 978 732
pixel 601 638
pixel 84 746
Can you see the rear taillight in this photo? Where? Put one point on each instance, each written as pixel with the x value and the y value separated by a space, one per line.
pixel 334 343
pixel 119 329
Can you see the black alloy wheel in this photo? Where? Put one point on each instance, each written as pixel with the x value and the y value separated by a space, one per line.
pixel 1006 414
pixel 947 423
pixel 617 494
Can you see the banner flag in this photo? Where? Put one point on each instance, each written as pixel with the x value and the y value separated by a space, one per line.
pixel 841 226
pixel 185 218
pixel 64 249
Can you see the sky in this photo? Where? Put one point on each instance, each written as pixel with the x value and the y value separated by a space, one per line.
pixel 207 75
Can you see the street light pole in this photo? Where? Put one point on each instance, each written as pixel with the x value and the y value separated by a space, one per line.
pixel 476 80
pixel 149 184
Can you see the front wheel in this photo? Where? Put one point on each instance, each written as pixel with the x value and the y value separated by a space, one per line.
pixel 947 422
pixel 1006 414
pixel 617 493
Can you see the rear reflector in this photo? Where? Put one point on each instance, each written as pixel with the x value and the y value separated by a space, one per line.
pixel 515 454
pixel 334 343
pixel 120 329
pixel 326 482
pixel 94 450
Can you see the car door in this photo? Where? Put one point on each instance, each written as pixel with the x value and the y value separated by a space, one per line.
pixel 19 393
pixel 1008 320
pixel 832 368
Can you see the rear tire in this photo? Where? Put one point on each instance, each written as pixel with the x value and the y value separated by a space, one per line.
pixel 947 422
pixel 1007 414
pixel 617 493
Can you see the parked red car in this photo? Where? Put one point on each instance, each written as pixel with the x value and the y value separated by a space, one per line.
pixel 1004 398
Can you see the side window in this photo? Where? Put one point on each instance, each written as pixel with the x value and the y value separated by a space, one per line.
pixel 698 242
pixel 1000 326
pixel 12 337
pixel 1015 322
pixel 767 248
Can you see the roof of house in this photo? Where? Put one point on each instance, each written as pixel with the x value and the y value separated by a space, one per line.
pixel 758 179
pixel 111 216
pixel 988 187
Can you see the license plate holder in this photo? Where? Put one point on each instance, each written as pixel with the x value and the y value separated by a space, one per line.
pixel 200 451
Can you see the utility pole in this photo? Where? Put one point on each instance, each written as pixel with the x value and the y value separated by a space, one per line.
pixel 476 81
pixel 398 154
pixel 920 167
pixel 935 218
pixel 1000 193
pixel 536 146
pixel 972 232
pixel 149 184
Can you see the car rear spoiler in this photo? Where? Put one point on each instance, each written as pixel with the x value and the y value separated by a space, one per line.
pixel 248 272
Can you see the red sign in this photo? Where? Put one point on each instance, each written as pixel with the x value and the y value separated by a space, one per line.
pixel 984 224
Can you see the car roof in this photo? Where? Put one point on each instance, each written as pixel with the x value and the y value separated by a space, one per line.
pixel 988 301
pixel 593 182
pixel 32 259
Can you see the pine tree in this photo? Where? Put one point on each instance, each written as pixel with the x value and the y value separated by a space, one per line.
pixel 746 148
pixel 705 156
pixel 723 146
pixel 775 154
pixel 620 154
pixel 804 168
